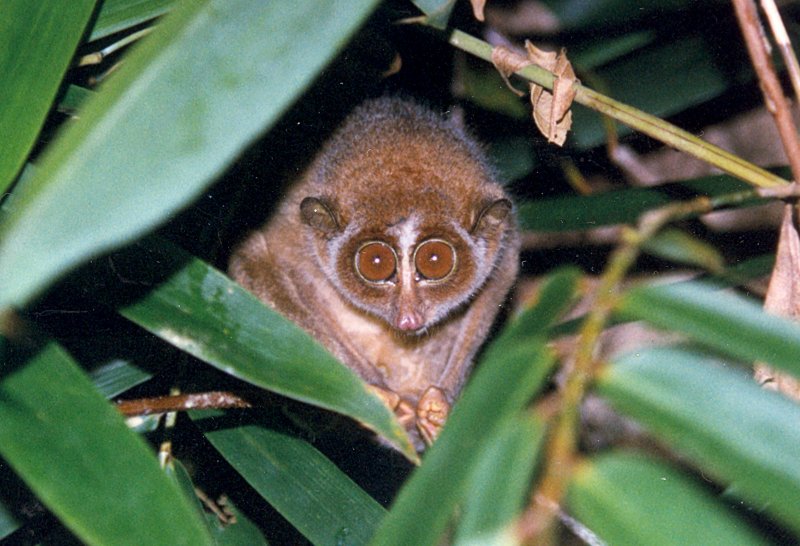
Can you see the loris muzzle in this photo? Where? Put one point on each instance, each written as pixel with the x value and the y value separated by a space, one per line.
pixel 395 249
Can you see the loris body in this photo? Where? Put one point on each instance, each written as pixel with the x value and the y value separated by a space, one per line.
pixel 395 250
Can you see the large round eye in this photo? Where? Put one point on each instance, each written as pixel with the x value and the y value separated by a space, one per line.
pixel 435 259
pixel 376 261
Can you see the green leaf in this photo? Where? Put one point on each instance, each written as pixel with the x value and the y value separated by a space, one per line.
pixel 203 312
pixel 678 246
pixel 728 425
pixel 37 42
pixel 503 384
pixel 212 77
pixel 117 15
pixel 554 296
pixel 117 376
pixel 732 324
pixel 8 520
pixel 498 489
pixel 74 97
pixel 240 531
pixel 589 211
pixel 437 12
pixel 576 14
pixel 687 64
pixel 76 454
pixel 631 500
pixel 579 212
pixel 301 483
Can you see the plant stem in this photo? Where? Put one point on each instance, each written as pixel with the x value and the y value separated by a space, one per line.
pixel 537 525
pixel 184 402
pixel 774 98
pixel 645 123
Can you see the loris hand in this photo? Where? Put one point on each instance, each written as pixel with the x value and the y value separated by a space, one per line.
pixel 432 411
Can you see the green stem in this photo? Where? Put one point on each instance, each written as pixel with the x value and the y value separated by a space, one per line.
pixel 643 122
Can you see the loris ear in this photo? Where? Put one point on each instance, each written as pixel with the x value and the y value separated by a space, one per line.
pixel 317 214
pixel 491 216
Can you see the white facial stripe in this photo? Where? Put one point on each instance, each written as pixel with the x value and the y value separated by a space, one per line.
pixel 407 233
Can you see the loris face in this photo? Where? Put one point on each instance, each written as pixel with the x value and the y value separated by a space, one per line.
pixel 411 270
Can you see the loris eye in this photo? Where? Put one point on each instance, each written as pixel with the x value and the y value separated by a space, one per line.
pixel 376 261
pixel 435 259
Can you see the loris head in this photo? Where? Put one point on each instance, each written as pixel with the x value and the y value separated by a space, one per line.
pixel 404 215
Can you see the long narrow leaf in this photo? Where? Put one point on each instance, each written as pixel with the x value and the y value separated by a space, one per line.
pixel 499 487
pixel 203 312
pixel 209 80
pixel 727 424
pixel 502 386
pixel 301 483
pixel 37 42
pixel 629 500
pixel 732 324
pixel 76 454
pixel 117 15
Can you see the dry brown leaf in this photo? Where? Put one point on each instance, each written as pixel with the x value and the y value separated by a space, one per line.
pixel 551 109
pixel 507 61
pixel 783 296
pixel 477 9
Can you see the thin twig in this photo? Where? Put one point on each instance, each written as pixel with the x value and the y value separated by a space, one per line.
pixel 641 121
pixel 774 98
pixel 784 44
pixel 184 402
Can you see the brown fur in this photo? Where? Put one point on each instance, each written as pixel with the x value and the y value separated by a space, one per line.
pixel 397 173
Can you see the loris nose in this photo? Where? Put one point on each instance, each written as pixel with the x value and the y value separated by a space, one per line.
pixel 409 320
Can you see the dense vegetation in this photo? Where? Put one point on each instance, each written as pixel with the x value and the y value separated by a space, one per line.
pixel 143 138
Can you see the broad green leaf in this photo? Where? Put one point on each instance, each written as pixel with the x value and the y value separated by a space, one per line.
pixel 212 77
pixel 437 12
pixel 499 487
pixel 631 500
pixel 203 312
pixel 728 425
pixel 76 454
pixel 504 382
pixel 729 323
pixel 117 15
pixel 678 246
pixel 301 483
pixel 37 42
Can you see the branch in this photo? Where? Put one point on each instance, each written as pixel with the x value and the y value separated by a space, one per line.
pixel 774 98
pixel 644 123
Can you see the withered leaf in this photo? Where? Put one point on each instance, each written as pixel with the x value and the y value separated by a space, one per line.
pixel 477 9
pixel 551 109
pixel 783 297
pixel 507 61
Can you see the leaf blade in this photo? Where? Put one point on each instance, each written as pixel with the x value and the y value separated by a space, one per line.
pixel 203 312
pixel 629 500
pixel 37 42
pixel 727 424
pixel 297 480
pixel 174 116
pixel 77 456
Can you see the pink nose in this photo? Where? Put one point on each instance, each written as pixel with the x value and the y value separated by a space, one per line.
pixel 409 321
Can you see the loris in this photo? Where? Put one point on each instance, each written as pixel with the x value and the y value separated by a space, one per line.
pixel 395 250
